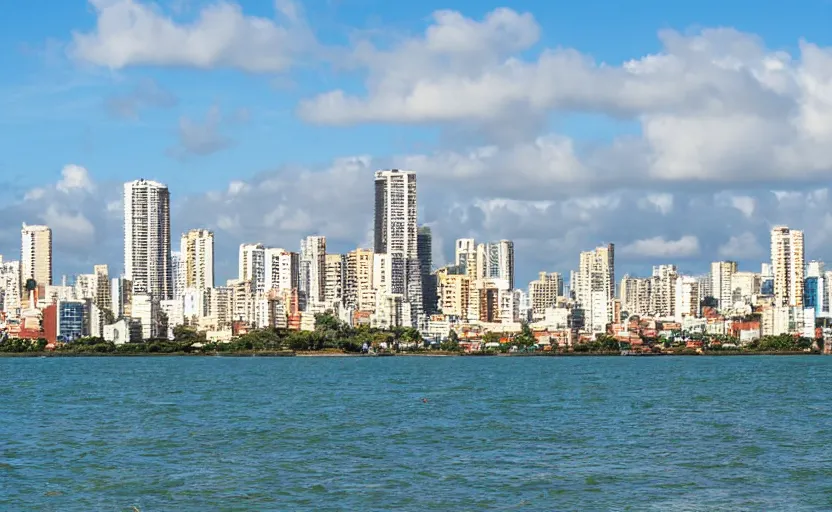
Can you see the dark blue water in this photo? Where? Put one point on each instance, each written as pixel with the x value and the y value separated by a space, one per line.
pixel 684 433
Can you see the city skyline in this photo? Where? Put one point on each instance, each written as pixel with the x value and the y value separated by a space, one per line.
pixel 254 147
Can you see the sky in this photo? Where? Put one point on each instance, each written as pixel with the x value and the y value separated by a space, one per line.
pixel 680 131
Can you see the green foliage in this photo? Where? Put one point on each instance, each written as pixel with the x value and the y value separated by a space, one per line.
pixel 490 337
pixel 526 337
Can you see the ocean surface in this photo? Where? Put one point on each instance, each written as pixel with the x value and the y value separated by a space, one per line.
pixel 496 433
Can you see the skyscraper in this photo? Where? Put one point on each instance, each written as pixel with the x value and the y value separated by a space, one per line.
pixel 313 268
pixel 595 286
pixel 787 262
pixel 197 249
pixel 253 266
pixel 721 274
pixel 424 249
pixel 147 239
pixel 335 277
pixel 282 269
pixel 495 260
pixel 35 255
pixel 396 233
pixel 103 297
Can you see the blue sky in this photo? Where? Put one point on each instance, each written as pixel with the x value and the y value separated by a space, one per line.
pixel 251 152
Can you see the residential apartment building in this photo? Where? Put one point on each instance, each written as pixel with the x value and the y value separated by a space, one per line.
pixel 396 233
pixel 147 260
pixel 35 255
pixel 663 291
pixel 335 269
pixel 787 263
pixel 252 266
pixel 544 293
pixel 197 249
pixel 359 294
pixel 721 286
pixel 313 269
pixel 636 295
pixel 495 260
pixel 595 286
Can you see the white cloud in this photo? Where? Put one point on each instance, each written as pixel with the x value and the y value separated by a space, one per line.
pixel 657 247
pixel 741 247
pixel 73 228
pixel 744 204
pixel 760 114
pixel 139 33
pixel 75 177
pixel 662 203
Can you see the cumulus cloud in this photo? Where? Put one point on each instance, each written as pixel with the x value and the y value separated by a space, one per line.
pixel 76 208
pixel 662 203
pixel 713 106
pixel 658 247
pixel 139 33
pixel 74 177
pixel 741 247
pixel 146 94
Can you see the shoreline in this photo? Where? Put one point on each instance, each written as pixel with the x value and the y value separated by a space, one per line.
pixel 309 354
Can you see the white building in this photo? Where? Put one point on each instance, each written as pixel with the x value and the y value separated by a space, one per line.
pixel 635 294
pixel 282 269
pixel 313 268
pixel 10 287
pixel 197 248
pixel 334 276
pixel 35 255
pixel 465 254
pixel 595 286
pixel 396 233
pixel 147 261
pixel 787 262
pixel 687 298
pixel 146 311
pixel 721 286
pixel 495 260
pixel 544 293
pixel 663 291
pixel 253 266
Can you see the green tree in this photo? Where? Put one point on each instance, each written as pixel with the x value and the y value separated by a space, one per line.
pixel 526 337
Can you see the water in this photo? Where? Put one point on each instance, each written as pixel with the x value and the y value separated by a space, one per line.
pixel 179 433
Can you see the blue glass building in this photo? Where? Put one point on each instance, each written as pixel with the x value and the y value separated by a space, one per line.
pixel 812 288
pixel 767 286
pixel 71 320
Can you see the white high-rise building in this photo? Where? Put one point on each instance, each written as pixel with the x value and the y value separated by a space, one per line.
pixel 177 272
pixel 544 293
pixel 253 266
pixel 495 260
pixel 465 254
pixel 787 262
pixel 721 274
pixel 595 286
pixel 35 255
pixel 663 291
pixel 9 286
pixel 686 298
pixel 635 293
pixel 147 260
pixel 197 249
pixel 396 233
pixel 282 269
pixel 313 268
pixel 335 277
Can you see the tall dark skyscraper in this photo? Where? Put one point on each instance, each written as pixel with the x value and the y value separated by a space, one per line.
pixel 424 248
